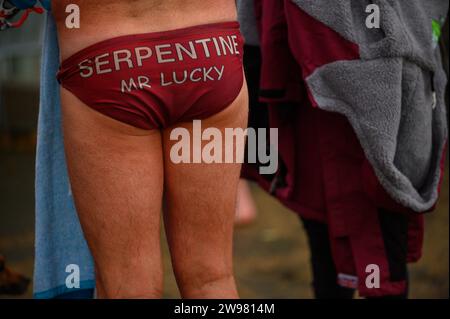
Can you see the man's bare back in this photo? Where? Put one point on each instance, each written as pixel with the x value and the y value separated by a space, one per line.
pixel 105 19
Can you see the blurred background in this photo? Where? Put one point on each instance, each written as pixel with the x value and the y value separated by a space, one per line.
pixel 271 255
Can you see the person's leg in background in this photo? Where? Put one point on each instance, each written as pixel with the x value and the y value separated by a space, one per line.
pixel 246 211
pixel 200 207
pixel 325 284
pixel 116 175
pixel 394 229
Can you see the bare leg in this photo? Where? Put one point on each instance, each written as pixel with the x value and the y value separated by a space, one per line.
pixel 246 208
pixel 116 174
pixel 201 204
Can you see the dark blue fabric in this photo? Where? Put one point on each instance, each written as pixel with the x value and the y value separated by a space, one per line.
pixel 25 4
pixel 79 294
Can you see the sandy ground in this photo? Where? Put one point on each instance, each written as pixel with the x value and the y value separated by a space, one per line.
pixel 271 256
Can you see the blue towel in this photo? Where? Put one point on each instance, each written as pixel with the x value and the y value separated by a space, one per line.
pixel 59 239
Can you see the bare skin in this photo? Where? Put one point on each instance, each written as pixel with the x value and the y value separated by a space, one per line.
pixel 246 210
pixel 119 174
pixel 105 19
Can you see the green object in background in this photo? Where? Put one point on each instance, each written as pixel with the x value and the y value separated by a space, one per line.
pixel 437 30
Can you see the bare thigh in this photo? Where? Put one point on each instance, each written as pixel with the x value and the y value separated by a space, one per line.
pixel 116 175
pixel 201 200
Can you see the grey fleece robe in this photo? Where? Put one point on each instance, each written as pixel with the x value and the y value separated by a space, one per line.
pixel 394 95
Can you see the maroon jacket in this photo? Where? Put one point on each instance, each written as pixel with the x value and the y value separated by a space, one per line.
pixel 325 176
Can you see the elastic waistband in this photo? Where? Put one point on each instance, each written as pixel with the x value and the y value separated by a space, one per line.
pixel 153 36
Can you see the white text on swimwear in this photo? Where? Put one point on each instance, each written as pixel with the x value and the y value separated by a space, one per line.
pixel 212 145
pixel 213 73
pixel 195 75
pixel 162 54
pixel 141 82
